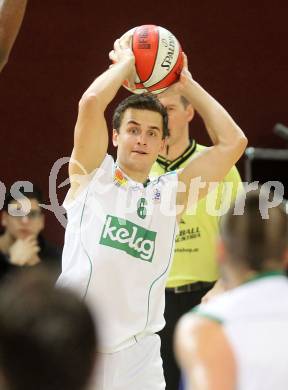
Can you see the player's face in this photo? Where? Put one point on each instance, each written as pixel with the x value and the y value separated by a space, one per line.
pixel 22 227
pixel 139 140
pixel 179 116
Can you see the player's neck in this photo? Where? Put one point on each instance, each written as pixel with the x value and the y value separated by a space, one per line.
pixel 239 277
pixel 139 177
pixel 174 150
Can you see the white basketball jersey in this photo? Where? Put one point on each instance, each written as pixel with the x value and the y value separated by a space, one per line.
pixel 117 253
pixel 255 320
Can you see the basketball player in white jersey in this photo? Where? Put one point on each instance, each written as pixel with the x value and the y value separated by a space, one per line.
pixel 238 340
pixel 121 227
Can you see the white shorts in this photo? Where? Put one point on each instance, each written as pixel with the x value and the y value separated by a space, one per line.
pixel 138 367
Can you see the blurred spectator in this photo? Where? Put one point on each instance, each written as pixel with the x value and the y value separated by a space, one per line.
pixel 22 245
pixel 47 336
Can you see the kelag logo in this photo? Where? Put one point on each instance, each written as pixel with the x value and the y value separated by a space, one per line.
pixel 128 237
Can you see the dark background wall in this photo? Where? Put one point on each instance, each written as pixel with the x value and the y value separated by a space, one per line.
pixel 236 50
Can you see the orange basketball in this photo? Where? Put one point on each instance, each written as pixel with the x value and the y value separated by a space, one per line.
pixel 158 58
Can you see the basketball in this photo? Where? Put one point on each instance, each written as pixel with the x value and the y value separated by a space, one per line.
pixel 158 58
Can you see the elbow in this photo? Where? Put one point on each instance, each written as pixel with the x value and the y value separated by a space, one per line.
pixel 242 143
pixel 91 101
pixel 236 148
pixel 239 146
pixel 88 99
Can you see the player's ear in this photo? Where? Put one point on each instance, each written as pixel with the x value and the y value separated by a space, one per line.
pixel 163 144
pixel 190 112
pixel 115 135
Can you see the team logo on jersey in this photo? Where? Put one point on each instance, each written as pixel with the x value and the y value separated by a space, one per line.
pixel 141 208
pixel 128 237
pixel 156 195
pixel 119 179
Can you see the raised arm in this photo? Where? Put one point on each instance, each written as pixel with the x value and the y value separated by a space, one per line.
pixel 11 16
pixel 91 133
pixel 229 141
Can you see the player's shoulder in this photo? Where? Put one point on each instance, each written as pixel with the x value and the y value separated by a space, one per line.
pixel 168 177
pixel 231 304
pixel 81 183
pixel 193 340
pixel 203 329
pixel 221 307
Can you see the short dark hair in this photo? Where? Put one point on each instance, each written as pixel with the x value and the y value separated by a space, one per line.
pixel 36 193
pixel 47 336
pixel 145 101
pixel 253 241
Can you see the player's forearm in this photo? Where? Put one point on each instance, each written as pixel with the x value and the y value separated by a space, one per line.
pixel 221 127
pixel 11 16
pixel 106 86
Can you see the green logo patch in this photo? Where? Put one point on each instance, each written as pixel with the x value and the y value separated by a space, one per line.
pixel 128 237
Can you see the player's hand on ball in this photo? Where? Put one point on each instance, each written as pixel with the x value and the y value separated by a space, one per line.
pixel 122 52
pixel 180 86
pixel 185 75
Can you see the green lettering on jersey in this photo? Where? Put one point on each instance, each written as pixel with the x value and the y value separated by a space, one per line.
pixel 141 208
pixel 128 237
